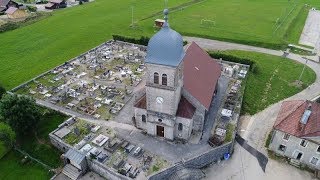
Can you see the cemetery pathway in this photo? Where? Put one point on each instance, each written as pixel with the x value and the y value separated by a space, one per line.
pixel 69 112
pixel 243 165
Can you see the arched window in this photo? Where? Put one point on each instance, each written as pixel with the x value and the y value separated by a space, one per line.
pixel 156 78
pixel 180 126
pixel 144 118
pixel 164 79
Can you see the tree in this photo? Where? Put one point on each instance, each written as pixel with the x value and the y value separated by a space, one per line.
pixel 20 112
pixel 7 135
pixel 2 91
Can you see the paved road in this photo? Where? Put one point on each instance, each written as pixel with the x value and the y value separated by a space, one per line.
pixel 256 128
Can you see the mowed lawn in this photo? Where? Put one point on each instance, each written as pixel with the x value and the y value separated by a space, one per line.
pixel 38 145
pixel 273 81
pixel 11 168
pixel 31 50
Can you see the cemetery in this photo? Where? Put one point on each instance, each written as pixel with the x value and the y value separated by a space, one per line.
pixel 102 146
pixel 97 83
pixel 101 85
pixel 227 119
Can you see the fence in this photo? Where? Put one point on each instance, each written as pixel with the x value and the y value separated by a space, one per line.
pixel 33 159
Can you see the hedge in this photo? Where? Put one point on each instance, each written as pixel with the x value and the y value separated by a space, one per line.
pixel 29 20
pixel 225 57
pixel 142 41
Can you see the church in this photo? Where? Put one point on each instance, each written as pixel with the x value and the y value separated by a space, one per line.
pixel 181 83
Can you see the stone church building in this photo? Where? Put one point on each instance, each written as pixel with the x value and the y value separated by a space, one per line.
pixel 180 85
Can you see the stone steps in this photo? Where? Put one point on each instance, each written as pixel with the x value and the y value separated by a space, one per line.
pixel 71 171
pixel 295 162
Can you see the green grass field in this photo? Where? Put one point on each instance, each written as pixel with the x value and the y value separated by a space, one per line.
pixel 273 81
pixel 11 168
pixel 39 146
pixel 31 50
pixel 3 149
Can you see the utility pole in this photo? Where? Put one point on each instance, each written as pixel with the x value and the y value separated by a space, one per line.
pixel 132 16
pixel 304 66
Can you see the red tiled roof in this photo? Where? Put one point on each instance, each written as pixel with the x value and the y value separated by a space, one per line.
pixel 185 109
pixel 288 119
pixel 201 74
pixel 142 103
pixel 4 2
pixel 11 10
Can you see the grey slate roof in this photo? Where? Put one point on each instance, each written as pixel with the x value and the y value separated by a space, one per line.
pixel 165 47
pixel 75 156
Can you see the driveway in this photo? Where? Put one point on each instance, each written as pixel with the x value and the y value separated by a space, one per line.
pixel 255 129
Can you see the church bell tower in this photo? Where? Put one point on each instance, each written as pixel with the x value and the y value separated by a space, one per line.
pixel 164 79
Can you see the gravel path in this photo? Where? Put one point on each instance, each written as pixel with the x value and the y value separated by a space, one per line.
pixel 242 164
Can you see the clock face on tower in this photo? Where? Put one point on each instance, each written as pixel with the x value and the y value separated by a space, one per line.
pixel 159 100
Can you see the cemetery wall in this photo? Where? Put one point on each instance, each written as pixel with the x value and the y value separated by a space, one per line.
pixel 43 74
pixel 197 162
pixel 105 171
pixel 93 165
pixel 58 143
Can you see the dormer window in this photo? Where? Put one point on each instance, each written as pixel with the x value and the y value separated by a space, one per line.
pixel 156 78
pixel 164 79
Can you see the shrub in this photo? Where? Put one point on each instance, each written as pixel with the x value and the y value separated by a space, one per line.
pixel 142 41
pixel 32 8
pixel 225 57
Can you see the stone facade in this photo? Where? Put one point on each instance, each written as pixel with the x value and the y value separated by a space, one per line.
pixel 170 93
pixel 290 146
pixel 199 115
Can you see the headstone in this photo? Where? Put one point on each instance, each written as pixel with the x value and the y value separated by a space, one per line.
pixel 76 131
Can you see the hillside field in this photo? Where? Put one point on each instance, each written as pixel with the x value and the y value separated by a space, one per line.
pixel 36 48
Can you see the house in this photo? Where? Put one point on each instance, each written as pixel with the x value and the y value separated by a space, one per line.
pixel 180 86
pixel 56 4
pixel 5 4
pixel 15 13
pixel 296 133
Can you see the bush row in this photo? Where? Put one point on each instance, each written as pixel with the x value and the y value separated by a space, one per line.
pixel 29 20
pixel 226 57
pixel 142 41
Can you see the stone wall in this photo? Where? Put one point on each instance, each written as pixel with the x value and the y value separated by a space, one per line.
pixel 198 117
pixel 93 165
pixel 197 162
pixel 211 156
pixel 69 61
pixel 105 171
pixel 58 143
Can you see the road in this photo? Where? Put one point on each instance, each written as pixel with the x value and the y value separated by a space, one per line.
pixel 254 129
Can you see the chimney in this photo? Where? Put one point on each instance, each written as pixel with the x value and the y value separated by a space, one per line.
pixel 305 117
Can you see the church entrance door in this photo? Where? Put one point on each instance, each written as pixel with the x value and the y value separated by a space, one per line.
pixel 160 131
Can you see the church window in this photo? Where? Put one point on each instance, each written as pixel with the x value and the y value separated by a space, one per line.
pixel 144 118
pixel 164 79
pixel 180 126
pixel 156 78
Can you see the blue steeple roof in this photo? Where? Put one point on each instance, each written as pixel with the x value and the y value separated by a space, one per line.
pixel 166 46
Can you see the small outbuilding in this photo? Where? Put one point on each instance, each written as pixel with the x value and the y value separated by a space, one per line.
pixel 158 23
pixel 6 4
pixel 56 4
pixel 15 13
